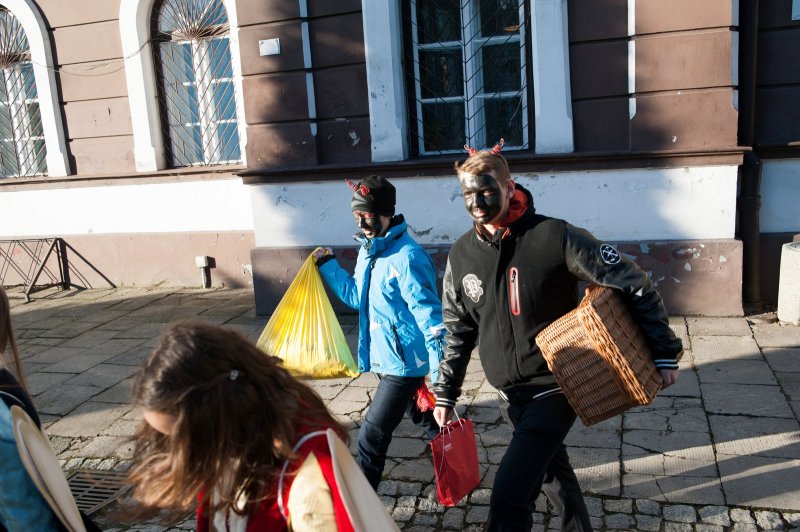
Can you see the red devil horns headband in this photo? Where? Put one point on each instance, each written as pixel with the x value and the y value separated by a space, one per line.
pixel 494 151
pixel 360 188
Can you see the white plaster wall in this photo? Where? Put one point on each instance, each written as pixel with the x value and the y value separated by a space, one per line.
pixel 780 196
pixel 218 205
pixel 659 204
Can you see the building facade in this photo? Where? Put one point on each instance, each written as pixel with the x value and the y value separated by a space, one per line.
pixel 171 129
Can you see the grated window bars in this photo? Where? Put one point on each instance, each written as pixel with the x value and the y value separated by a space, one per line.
pixel 467 71
pixel 22 146
pixel 196 92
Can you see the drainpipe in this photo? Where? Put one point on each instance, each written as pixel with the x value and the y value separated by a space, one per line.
pixel 749 201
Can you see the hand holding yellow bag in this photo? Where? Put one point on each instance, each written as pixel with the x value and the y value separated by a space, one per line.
pixel 304 331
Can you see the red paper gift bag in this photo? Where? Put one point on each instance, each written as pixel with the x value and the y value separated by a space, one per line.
pixel 455 461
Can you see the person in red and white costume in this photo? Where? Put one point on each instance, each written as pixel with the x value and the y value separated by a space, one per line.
pixel 227 427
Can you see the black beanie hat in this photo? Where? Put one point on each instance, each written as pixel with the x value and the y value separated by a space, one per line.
pixel 373 194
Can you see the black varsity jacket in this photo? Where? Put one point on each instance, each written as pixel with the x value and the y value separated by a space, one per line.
pixel 500 291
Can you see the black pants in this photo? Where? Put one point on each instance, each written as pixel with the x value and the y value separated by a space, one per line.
pixel 393 399
pixel 536 460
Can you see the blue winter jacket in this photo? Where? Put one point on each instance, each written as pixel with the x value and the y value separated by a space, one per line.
pixel 22 506
pixel 400 314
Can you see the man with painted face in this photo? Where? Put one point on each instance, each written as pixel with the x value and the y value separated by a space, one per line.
pixel 508 278
pixel 400 317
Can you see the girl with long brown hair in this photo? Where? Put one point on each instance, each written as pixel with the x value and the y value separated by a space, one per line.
pixel 222 426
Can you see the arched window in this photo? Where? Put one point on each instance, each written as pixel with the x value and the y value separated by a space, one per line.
pixel 22 143
pixel 195 79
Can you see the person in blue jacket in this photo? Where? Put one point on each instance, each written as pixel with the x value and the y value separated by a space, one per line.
pixel 22 506
pixel 400 317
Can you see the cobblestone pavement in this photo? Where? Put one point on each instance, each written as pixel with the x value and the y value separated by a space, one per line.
pixel 718 451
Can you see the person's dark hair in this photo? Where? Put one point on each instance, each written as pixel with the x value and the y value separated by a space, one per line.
pixel 238 413
pixel 8 345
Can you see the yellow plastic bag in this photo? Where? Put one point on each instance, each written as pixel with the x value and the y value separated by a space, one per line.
pixel 304 331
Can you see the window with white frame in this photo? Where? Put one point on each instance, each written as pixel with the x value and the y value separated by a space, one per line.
pixel 468 76
pixel 22 142
pixel 195 82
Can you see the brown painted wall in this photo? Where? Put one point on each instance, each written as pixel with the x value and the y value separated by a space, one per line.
pixel 778 76
pixel 276 98
pixel 91 84
pixel 683 91
pixel 683 75
pixel 151 259
pixel 692 276
pixel 93 92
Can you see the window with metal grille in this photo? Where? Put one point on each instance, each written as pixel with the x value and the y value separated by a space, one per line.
pixel 196 96
pixel 22 145
pixel 467 66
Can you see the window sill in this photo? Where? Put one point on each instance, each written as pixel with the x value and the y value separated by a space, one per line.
pixel 170 175
pixel 519 162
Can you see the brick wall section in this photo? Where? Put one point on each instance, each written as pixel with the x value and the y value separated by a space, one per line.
pixel 694 277
pixel 778 84
pixel 683 75
pixel 91 82
pixel 275 94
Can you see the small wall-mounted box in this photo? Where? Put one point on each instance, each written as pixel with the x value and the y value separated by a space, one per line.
pixel 269 47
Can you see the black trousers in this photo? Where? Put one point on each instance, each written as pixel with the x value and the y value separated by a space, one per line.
pixel 536 460
pixel 393 399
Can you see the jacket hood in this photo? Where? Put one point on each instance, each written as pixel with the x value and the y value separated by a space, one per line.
pixel 531 208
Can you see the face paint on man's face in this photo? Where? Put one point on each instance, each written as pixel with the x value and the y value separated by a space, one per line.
pixel 369 223
pixel 484 198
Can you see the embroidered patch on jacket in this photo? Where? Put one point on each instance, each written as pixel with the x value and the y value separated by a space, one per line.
pixel 472 287
pixel 609 254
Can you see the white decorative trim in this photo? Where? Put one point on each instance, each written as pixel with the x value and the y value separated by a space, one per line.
pixel 735 58
pixel 631 59
pixel 30 18
pixel 690 202
pixel 383 48
pixel 212 205
pixel 236 66
pixel 148 141
pixel 631 18
pixel 631 67
pixel 734 12
pixel 780 195
pixel 311 96
pixel 551 85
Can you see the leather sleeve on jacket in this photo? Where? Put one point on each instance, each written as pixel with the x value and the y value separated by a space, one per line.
pixel 462 333
pixel 582 254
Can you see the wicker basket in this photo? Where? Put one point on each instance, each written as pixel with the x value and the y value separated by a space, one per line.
pixel 599 357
